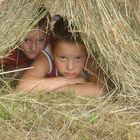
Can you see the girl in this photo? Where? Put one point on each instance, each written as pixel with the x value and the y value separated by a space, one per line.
pixel 72 68
pixel 30 47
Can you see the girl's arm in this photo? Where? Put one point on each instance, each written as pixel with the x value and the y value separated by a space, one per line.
pixel 34 79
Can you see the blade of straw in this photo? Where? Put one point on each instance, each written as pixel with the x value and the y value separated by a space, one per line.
pixel 17 70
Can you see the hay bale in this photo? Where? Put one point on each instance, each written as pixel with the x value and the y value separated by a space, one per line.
pixel 110 29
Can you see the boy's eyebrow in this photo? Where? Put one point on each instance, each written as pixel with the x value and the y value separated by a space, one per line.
pixel 70 55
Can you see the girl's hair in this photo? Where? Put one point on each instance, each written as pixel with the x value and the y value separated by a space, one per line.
pixel 65 32
pixel 43 22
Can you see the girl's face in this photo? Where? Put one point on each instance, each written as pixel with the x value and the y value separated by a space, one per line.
pixel 34 42
pixel 70 59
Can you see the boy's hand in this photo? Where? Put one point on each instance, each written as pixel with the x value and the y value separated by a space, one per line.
pixel 77 80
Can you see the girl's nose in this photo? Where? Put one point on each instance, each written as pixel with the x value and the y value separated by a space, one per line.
pixel 34 46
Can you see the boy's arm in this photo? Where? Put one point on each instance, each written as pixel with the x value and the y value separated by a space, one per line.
pixel 34 79
pixel 46 84
pixel 85 89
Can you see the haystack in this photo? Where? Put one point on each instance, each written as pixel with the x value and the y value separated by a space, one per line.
pixel 111 32
pixel 110 29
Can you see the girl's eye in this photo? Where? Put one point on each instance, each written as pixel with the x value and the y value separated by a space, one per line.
pixel 78 58
pixel 26 39
pixel 41 40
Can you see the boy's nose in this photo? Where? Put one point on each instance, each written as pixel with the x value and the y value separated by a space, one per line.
pixel 70 65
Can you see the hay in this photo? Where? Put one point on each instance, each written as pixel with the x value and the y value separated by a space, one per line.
pixel 111 32
pixel 110 29
pixel 17 18
pixel 65 116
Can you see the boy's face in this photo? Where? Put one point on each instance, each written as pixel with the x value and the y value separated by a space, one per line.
pixel 70 59
pixel 34 42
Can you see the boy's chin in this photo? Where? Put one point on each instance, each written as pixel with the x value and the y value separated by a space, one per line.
pixel 70 77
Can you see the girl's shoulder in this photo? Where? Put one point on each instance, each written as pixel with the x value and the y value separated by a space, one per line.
pixel 15 58
pixel 47 50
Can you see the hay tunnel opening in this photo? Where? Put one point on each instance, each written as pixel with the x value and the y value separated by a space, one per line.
pixel 111 31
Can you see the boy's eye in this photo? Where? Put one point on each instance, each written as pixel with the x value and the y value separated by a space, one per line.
pixel 78 58
pixel 62 58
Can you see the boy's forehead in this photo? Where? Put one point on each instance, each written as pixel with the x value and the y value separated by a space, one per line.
pixel 74 45
pixel 70 47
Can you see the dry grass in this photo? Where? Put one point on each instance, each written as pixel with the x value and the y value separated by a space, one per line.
pixel 66 116
pixel 111 31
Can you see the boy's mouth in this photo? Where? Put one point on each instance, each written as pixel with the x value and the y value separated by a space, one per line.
pixel 71 75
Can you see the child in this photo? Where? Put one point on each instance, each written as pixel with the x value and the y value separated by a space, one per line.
pixel 29 48
pixel 71 61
